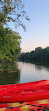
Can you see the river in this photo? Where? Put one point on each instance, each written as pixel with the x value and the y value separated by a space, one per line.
pixel 32 72
pixel 26 72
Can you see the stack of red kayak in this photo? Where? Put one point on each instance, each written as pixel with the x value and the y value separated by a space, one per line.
pixel 32 93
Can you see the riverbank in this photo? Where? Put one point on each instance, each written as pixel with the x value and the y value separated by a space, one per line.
pixel 38 55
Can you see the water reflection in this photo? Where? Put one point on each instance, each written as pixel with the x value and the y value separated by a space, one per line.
pixel 40 66
pixel 9 78
pixel 24 72
pixel 10 74
pixel 33 72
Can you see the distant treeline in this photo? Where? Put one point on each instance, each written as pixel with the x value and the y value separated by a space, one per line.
pixel 39 55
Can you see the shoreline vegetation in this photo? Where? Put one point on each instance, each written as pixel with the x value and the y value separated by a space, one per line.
pixel 38 55
pixel 9 49
pixel 9 73
pixel 9 78
pixel 8 67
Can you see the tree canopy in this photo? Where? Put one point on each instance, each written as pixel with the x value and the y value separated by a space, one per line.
pixel 9 44
pixel 12 10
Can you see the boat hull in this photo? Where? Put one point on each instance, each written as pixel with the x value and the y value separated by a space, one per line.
pixel 24 97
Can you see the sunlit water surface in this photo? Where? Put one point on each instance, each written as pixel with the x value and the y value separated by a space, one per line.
pixel 26 72
pixel 31 72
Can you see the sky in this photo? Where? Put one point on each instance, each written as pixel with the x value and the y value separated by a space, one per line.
pixel 37 33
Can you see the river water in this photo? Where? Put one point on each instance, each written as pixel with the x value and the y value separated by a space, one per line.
pixel 26 72
pixel 32 72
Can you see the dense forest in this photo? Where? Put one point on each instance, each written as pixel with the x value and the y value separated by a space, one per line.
pixel 37 55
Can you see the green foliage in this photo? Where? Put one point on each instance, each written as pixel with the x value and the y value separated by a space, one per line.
pixel 9 45
pixel 39 55
pixel 12 10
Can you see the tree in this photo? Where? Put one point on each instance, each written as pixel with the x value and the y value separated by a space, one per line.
pixel 12 10
pixel 46 54
pixel 9 45
pixel 38 53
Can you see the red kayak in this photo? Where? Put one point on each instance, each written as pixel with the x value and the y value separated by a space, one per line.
pixel 25 87
pixel 25 91
pixel 29 88
pixel 24 97
pixel 36 83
